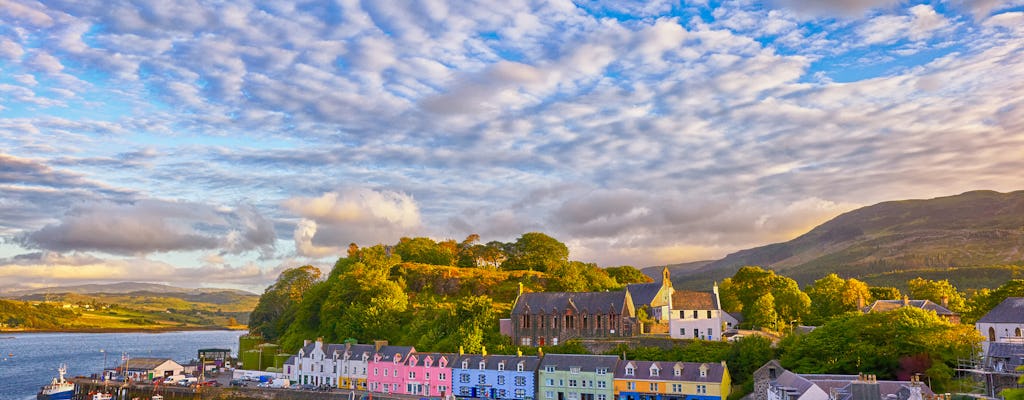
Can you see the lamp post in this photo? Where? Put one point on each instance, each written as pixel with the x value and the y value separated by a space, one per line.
pixel 103 372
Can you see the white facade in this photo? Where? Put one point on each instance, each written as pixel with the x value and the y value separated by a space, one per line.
pixel 699 324
pixel 1004 323
pixel 315 367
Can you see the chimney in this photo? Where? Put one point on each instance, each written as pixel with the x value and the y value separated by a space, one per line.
pixel 483 351
pixel 461 351
pixel 306 342
pixel 519 352
pixel 377 344
pixel 945 301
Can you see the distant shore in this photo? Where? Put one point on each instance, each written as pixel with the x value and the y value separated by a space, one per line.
pixel 158 329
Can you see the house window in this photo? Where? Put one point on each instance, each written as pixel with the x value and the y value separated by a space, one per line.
pixel 602 371
pixel 655 371
pixel 709 314
pixel 694 314
pixel 549 394
pixel 464 390
pixel 482 379
pixel 703 373
pixel 709 333
pixel 602 384
pixel 465 364
pixel 602 397
pixel 502 393
pixel 702 389
pixel 682 331
pixel 501 379
pixel 629 371
pixel 678 372
pixel 696 332
pixel 525 341
pixel 481 365
pixel 654 387
pixel 501 366
pixel 412 374
pixel 677 388
pixel 442 388
pixel 549 368
pixel 426 376
pixel 375 371
pixel 572 383
pixel 520 381
pixel 519 367
pixel 520 393
pixel 554 341
pixel 441 376
pixel 464 378
pixel 551 382
pixel 574 370
pixel 631 385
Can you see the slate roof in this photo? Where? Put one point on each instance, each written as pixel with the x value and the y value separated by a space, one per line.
pixel 1010 310
pixel 594 302
pixel 145 364
pixel 491 362
pixel 1012 352
pixel 793 383
pixel 693 300
pixel 644 293
pixel 844 386
pixel 387 353
pixel 435 357
pixel 690 371
pixel 586 362
pixel 927 305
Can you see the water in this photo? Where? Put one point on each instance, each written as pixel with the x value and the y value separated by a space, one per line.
pixel 36 356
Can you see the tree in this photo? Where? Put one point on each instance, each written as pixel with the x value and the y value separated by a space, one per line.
pixel 832 295
pixel 426 251
pixel 270 318
pixel 627 274
pixel 750 284
pixel 761 313
pixel 748 354
pixel 885 293
pixel 985 300
pixel 937 291
pixel 535 251
pixel 576 276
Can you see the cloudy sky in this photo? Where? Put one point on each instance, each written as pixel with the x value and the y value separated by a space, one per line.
pixel 213 143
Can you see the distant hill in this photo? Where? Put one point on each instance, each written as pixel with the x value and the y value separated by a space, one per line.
pixel 674 269
pixel 120 288
pixel 979 228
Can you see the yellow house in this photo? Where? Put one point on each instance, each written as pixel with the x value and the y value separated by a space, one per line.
pixel 667 380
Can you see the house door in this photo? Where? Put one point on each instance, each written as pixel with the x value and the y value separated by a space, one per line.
pixel 561 396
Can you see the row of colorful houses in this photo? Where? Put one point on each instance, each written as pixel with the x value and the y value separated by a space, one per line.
pixel 401 370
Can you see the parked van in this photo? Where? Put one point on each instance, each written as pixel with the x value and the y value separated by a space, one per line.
pixel 173 379
pixel 188 381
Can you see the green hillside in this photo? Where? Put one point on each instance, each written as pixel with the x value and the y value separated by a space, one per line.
pixel 973 229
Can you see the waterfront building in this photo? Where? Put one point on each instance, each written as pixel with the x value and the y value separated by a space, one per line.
pixel 147 369
pixel 576 377
pixel 663 380
pixel 336 365
pixel 485 376
pixel 427 374
pixel 772 382
pixel 385 367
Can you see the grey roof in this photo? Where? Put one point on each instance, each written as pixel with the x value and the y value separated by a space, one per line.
pixel 594 302
pixel 690 371
pixel 849 388
pixel 586 362
pixel 927 305
pixel 435 357
pixel 644 293
pixel 793 382
pixel 1010 310
pixel 491 361
pixel 291 360
pixel 1012 352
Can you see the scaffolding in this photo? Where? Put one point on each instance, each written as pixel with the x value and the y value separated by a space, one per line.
pixel 988 376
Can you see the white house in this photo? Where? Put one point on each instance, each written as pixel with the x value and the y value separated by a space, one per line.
pixel 146 369
pixel 1004 324
pixel 336 365
pixel 698 315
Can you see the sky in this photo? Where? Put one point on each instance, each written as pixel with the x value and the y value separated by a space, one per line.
pixel 216 143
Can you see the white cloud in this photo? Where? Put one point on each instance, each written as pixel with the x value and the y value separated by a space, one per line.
pixel 921 23
pixel 335 219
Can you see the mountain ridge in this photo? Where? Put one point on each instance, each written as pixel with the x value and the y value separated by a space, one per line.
pixel 973 228
pixel 120 288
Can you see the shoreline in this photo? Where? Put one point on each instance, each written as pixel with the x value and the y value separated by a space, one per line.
pixel 125 330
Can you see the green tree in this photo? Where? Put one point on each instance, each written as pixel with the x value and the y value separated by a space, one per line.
pixel 936 291
pixel 750 284
pixel 535 251
pixel 761 313
pixel 276 307
pixel 426 251
pixel 627 274
pixel 832 295
pixel 747 355
pixel 985 300
pixel 885 293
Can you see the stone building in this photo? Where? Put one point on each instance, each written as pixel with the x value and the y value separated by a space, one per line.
pixel 550 318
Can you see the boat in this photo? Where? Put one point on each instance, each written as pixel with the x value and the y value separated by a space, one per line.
pixel 58 389
pixel 100 396
pixel 157 397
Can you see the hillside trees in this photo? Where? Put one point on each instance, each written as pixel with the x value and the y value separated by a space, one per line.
pixel 832 295
pixel 746 291
pixel 276 307
pixel 895 344
pixel 427 251
pixel 627 274
pixel 936 291
pixel 985 300
pixel 535 251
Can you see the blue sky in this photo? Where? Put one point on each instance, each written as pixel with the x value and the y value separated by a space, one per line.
pixel 216 143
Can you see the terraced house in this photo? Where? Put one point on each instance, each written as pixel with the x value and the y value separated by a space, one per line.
pixel 663 380
pixel 385 369
pixel 484 376
pixel 576 377
pixel 336 365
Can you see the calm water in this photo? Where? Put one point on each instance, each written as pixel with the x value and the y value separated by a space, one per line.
pixel 36 356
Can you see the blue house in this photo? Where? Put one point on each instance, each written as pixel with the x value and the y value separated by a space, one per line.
pixel 476 376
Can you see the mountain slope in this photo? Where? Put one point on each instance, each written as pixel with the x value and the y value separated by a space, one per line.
pixel 970 229
pixel 122 288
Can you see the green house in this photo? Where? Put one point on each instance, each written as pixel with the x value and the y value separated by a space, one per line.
pixel 576 377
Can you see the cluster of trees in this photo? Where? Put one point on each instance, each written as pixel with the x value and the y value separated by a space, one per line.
pixel 24 315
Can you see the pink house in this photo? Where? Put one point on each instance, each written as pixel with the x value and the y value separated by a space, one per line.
pixel 419 374
pixel 385 370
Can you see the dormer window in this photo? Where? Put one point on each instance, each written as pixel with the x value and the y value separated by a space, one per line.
pixel 483 364
pixel 655 371
pixel 501 366
pixel 574 370
pixel 677 371
pixel 519 367
pixel 549 368
pixel 703 371
pixel 443 362
pixel 465 365
pixel 629 370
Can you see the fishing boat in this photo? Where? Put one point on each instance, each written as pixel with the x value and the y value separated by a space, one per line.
pixel 58 389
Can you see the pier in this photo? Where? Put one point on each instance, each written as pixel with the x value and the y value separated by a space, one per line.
pixel 83 386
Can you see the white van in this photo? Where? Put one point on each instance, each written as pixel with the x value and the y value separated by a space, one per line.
pixel 173 379
pixel 188 381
